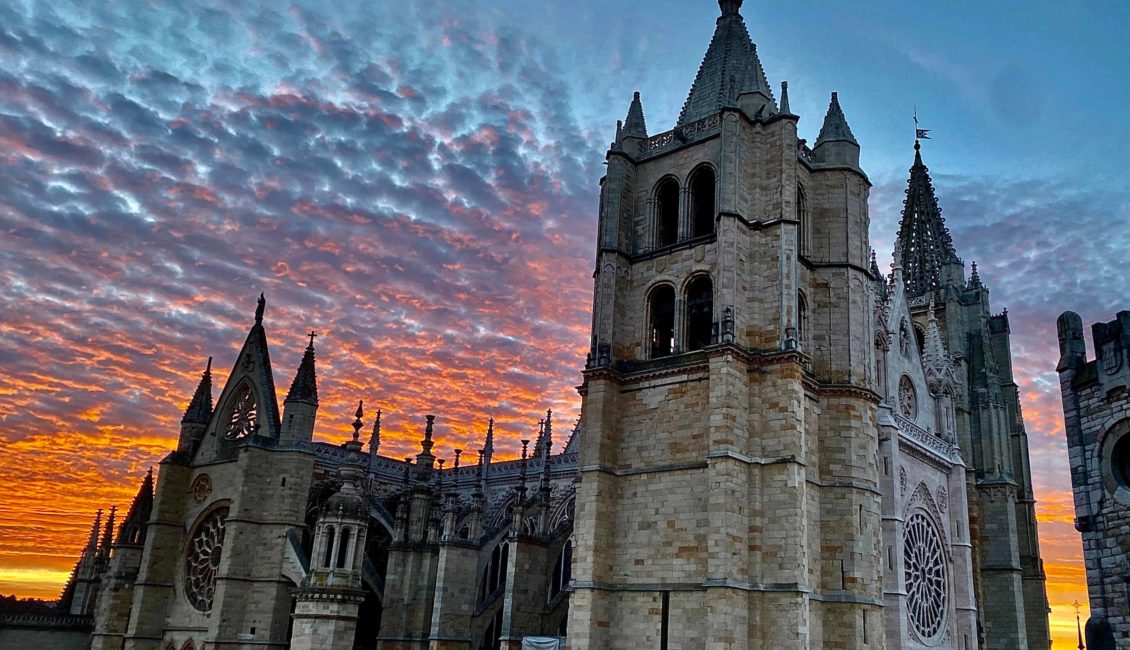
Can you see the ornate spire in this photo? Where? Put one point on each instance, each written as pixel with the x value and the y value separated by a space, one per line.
pixel 729 68
pixel 425 459
pixel 375 436
pixel 304 388
pixel 132 530
pixel 934 356
pixel 835 128
pixel 975 277
pixel 488 446
pixel 876 274
pixel 108 534
pixel 924 243
pixel 91 549
pixel 199 410
pixel 634 124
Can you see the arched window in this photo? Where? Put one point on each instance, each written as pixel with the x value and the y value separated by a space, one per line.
pixel 802 220
pixel 562 570
pixel 661 310
pixel 667 213
pixel 327 560
pixel 702 202
pixel 802 320
pixel 700 313
pixel 343 549
pixel 880 367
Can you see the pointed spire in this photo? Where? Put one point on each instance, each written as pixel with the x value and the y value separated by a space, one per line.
pixel 488 446
pixel 634 124
pixel 425 459
pixel 304 388
pixel 935 355
pixel 876 274
pixel 785 98
pixel 975 277
pixel 91 549
pixel 924 242
pixel 729 68
pixel 357 423
pixel 835 128
pixel 199 410
pixel 132 530
pixel 108 534
pixel 375 436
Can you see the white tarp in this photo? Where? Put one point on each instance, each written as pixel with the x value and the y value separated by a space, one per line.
pixel 543 643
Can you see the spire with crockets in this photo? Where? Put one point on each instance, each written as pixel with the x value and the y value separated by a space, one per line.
pixel 924 241
pixel 729 69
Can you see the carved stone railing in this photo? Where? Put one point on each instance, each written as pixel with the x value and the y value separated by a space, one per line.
pixel 61 621
pixel 923 437
pixel 678 136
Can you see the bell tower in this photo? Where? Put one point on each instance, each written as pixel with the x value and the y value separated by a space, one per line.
pixel 729 482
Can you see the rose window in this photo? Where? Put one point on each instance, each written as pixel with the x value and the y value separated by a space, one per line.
pixel 244 418
pixel 925 573
pixel 908 401
pixel 203 559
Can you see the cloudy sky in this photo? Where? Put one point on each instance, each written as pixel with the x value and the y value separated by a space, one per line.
pixel 417 181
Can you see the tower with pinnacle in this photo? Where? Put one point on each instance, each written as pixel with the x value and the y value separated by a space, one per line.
pixel 729 487
pixel 1009 575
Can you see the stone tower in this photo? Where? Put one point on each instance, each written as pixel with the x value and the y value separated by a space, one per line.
pixel 214 571
pixel 326 606
pixel 990 428
pixel 1096 412
pixel 729 489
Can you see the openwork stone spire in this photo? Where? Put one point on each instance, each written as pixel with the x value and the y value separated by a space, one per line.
pixel 730 68
pixel 924 241
pixel 199 410
pixel 304 388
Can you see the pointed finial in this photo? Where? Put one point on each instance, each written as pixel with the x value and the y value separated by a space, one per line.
pixel 208 368
pixel 262 305
pixel 199 410
pixel 785 98
pixel 730 7
pixel 375 437
pixel 312 335
pixel 357 424
pixel 975 277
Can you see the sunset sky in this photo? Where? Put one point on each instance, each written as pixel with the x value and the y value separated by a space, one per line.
pixel 417 181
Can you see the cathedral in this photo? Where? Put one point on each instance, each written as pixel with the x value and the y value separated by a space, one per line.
pixel 780 446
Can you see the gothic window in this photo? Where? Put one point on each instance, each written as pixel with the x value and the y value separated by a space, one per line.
pixel 328 558
pixel 702 201
pixel 802 220
pixel 661 330
pixel 202 559
pixel 908 399
pixel 700 313
pixel 802 319
pixel 925 574
pixel 492 636
pixel 562 570
pixel 343 549
pixel 880 367
pixel 667 213
pixel 243 419
pixel 494 576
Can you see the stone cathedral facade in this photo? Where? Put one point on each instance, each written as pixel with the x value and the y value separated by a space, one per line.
pixel 779 445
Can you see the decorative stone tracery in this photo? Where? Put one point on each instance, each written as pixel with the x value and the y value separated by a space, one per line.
pixel 908 398
pixel 202 559
pixel 244 418
pixel 201 487
pixel 924 571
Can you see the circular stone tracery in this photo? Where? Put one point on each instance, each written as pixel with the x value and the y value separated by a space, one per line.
pixel 925 574
pixel 203 559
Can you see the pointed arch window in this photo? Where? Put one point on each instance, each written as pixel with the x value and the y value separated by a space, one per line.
pixel 327 560
pixel 661 321
pixel 802 320
pixel 700 313
pixel 667 213
pixel 343 550
pixel 802 220
pixel 243 418
pixel 702 202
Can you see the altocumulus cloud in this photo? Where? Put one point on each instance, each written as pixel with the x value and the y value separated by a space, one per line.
pixel 422 197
